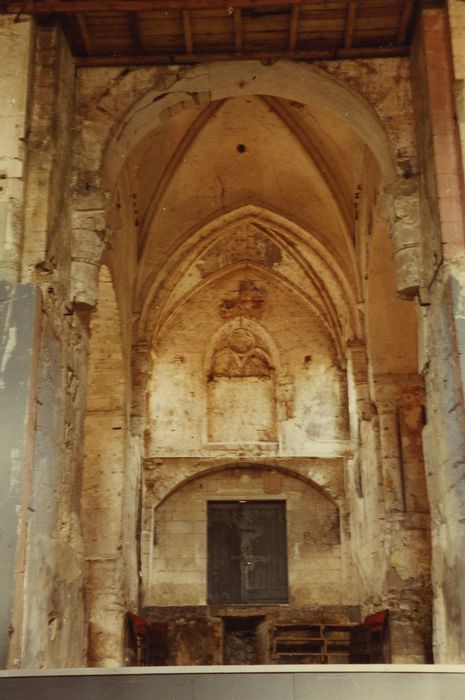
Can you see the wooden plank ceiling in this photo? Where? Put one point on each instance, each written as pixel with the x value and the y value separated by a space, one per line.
pixel 119 32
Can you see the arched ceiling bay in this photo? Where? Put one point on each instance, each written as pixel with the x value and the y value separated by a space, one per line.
pixel 218 157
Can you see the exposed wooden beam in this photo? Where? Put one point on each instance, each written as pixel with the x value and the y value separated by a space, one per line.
pixel 85 34
pixel 407 11
pixel 350 23
pixel 293 27
pixel 237 17
pixel 72 6
pixel 187 31
pixel 135 32
pixel 317 54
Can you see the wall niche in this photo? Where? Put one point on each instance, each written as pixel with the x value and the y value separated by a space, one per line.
pixel 241 390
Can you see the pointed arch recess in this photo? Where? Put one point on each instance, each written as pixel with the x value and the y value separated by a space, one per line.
pixel 335 302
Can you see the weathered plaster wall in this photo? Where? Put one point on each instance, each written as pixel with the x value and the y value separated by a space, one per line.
pixel 53 628
pixel 36 76
pixel 306 395
pixel 54 631
pixel 440 330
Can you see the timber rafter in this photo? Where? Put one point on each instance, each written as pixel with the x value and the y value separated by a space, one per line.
pixel 67 6
pixel 143 32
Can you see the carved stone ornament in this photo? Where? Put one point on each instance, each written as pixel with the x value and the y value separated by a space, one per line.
pixel 248 300
pixel 239 355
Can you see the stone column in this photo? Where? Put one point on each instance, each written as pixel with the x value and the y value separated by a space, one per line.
pixel 142 364
pixel 389 436
pixel 358 367
pixel 406 533
pixel 141 374
pixel 400 405
pixel 405 233
pixel 456 14
pixel 87 248
pixel 15 53
pixel 442 326
pixel 359 407
pixel 94 222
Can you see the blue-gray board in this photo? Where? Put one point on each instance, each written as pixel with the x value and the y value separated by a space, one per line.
pixel 18 312
pixel 442 683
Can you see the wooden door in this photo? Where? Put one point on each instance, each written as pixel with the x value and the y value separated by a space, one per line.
pixel 247 552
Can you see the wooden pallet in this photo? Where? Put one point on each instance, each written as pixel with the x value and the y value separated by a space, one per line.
pixel 301 643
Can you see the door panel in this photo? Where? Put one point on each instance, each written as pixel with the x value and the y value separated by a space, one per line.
pixel 266 550
pixel 224 554
pixel 247 552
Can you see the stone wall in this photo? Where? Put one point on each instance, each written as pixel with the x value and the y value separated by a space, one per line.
pixel 178 566
pixel 304 398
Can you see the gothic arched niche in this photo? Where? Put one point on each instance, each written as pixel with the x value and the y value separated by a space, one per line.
pixel 241 390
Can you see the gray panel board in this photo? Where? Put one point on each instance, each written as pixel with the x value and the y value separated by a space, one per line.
pixel 18 305
pixel 313 685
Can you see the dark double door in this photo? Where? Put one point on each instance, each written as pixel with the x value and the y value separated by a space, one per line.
pixel 247 552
